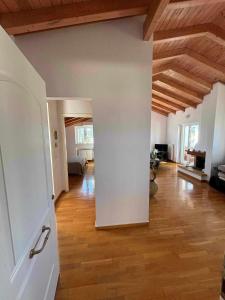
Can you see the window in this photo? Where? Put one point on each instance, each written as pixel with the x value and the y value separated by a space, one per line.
pixel 189 141
pixel 84 134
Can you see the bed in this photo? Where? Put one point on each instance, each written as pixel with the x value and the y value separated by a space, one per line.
pixel 77 166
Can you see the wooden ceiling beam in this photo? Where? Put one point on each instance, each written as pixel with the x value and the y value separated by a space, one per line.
pixel 164 56
pixel 183 76
pixel 156 9
pixel 212 31
pixel 187 92
pixel 67 119
pixel 161 108
pixel 180 33
pixel 166 102
pixel 157 69
pixel 207 63
pixel 179 4
pixel 165 108
pixel 88 120
pixel 77 122
pixel 194 56
pixel 173 95
pixel 195 80
pixel 159 111
pixel 71 14
pixel 183 73
pixel 72 121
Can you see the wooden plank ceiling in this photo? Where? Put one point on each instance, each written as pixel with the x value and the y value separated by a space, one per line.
pixel 71 121
pixel 189 38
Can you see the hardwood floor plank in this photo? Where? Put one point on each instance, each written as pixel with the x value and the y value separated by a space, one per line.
pixel 179 256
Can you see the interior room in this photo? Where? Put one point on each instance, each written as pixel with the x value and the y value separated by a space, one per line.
pixel 112 150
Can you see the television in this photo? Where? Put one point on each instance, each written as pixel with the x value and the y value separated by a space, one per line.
pixel 161 147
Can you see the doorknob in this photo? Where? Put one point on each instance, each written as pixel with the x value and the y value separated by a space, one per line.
pixel 33 251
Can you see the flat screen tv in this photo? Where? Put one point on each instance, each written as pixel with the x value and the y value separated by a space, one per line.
pixel 161 147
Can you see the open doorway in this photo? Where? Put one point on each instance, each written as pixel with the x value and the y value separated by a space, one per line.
pixel 80 154
pixel 72 145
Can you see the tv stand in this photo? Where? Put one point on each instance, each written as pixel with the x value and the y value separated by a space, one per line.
pixel 162 155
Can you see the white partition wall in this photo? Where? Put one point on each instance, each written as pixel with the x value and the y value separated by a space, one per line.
pixel 110 63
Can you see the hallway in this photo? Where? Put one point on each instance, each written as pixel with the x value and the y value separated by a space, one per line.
pixel 179 256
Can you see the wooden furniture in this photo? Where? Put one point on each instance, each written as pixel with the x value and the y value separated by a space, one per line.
pixel 195 171
pixel 199 159
pixel 217 183
pixel 197 153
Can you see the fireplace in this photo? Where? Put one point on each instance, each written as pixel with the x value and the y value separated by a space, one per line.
pixel 199 159
pixel 197 166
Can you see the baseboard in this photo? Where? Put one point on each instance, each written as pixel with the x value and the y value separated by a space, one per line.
pixel 59 196
pixel 121 226
pixel 172 161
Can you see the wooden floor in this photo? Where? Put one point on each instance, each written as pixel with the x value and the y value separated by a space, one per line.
pixel 179 256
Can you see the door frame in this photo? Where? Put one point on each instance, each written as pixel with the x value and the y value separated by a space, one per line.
pixel 63 134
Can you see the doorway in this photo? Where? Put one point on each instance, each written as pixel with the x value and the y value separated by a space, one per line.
pixel 72 140
pixel 80 153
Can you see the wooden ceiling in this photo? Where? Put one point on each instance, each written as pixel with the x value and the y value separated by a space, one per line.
pixel 189 53
pixel 70 121
pixel 189 38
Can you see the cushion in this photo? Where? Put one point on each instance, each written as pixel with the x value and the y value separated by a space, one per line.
pixel 221 168
pixel 221 175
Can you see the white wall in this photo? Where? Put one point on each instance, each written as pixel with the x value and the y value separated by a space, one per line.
pixel 158 129
pixel 207 126
pixel 57 163
pixel 110 63
pixel 211 117
pixel 218 151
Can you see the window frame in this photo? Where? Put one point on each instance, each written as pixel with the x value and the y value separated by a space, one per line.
pixel 77 134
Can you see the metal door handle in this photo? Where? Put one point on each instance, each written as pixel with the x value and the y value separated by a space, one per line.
pixel 33 251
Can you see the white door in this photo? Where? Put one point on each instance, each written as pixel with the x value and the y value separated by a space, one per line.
pixel 27 219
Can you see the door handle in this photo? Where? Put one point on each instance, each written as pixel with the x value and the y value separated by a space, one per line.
pixel 33 251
